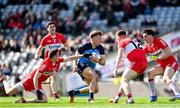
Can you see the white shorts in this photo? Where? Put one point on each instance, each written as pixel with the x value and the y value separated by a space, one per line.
pixel 19 86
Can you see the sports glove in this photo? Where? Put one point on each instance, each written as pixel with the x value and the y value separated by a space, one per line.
pixel 39 95
pixel 56 96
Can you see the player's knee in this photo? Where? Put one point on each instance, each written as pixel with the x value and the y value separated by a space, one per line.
pixel 8 93
pixel 96 90
pixel 150 75
pixel 124 80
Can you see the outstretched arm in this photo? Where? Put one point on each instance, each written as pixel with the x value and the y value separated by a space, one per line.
pixel 71 58
pixel 54 86
pixel 35 80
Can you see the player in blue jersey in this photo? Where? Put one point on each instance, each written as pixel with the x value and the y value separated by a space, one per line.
pixel 85 67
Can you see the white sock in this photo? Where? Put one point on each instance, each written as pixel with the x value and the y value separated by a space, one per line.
pixel 173 87
pixel 117 98
pixel 130 99
pixel 152 88
pixel 6 86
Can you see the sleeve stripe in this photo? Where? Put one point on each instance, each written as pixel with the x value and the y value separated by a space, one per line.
pixel 162 42
pixel 41 68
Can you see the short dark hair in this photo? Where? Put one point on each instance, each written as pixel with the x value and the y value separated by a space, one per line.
pixel 95 33
pixel 121 32
pixel 54 52
pixel 49 23
pixel 148 32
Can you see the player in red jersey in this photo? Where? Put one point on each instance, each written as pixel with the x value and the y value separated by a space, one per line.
pixel 167 64
pixel 33 82
pixel 50 42
pixel 138 63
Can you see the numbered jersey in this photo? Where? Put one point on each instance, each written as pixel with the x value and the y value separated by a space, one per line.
pixel 51 44
pixel 132 49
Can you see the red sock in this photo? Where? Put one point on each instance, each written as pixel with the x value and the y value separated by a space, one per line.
pixel 119 94
pixel 129 95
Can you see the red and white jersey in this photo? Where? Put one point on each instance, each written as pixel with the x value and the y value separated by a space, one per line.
pixel 157 49
pixel 46 68
pixel 132 49
pixel 51 44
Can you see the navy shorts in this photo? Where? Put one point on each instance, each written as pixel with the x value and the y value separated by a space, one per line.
pixel 80 69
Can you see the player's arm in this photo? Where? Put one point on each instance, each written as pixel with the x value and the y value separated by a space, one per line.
pixel 71 58
pixel 35 80
pixel 118 60
pixel 36 85
pixel 102 61
pixel 38 52
pixel 167 53
pixel 54 86
pixel 166 50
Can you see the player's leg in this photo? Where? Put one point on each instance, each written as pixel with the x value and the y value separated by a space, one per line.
pixel 157 70
pixel 168 75
pixel 35 100
pixel 14 90
pixel 72 93
pixel 118 95
pixel 128 74
pixel 90 75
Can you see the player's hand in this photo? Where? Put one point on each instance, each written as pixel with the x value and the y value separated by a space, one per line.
pixel 153 57
pixel 56 96
pixel 74 69
pixel 39 95
pixel 94 59
pixel 36 57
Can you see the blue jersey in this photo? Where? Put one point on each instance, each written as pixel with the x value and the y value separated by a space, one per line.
pixel 87 49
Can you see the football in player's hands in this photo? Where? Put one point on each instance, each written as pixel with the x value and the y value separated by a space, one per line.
pixel 95 57
pixel 39 95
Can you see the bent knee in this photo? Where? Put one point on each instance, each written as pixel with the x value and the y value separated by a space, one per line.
pixel 124 79
pixel 96 90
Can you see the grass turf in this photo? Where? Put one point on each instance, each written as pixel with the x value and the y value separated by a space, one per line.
pixel 81 102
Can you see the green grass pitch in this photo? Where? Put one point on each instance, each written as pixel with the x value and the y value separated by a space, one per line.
pixel 81 102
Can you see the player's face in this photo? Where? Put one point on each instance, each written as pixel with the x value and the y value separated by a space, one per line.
pixel 56 57
pixel 97 39
pixel 120 38
pixel 51 28
pixel 147 38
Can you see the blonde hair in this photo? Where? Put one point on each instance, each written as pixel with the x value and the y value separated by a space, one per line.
pixel 95 33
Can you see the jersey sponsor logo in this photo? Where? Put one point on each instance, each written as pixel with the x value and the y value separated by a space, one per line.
pixel 52 47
